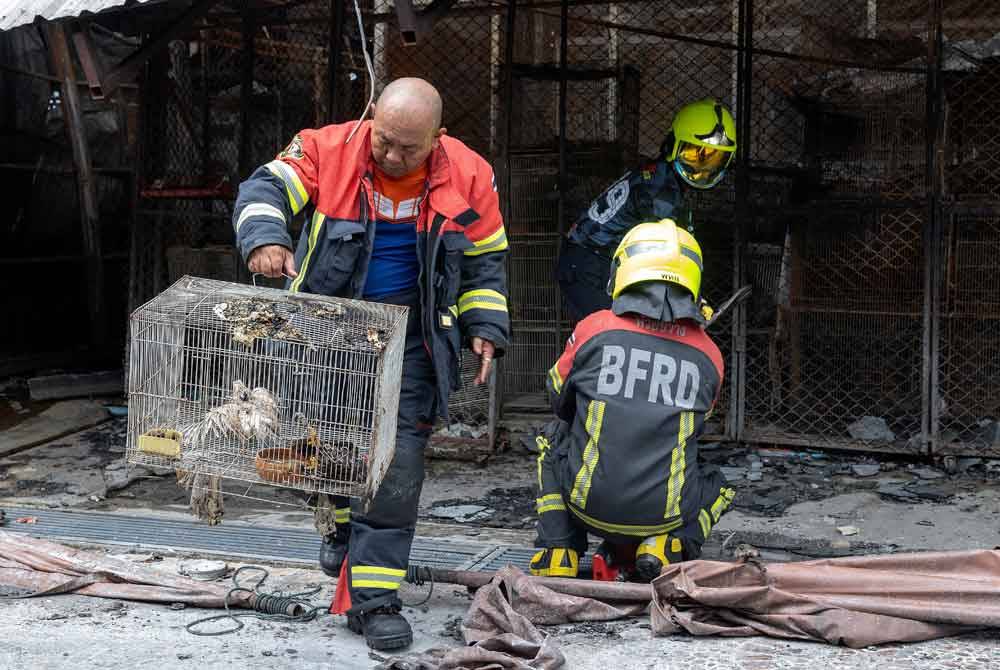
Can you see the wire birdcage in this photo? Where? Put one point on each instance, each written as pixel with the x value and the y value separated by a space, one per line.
pixel 264 386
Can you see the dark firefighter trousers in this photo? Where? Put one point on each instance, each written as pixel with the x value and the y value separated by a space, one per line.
pixel 379 546
pixel 559 527
pixel 583 277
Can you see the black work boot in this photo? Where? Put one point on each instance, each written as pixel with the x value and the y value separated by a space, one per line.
pixel 384 628
pixel 333 551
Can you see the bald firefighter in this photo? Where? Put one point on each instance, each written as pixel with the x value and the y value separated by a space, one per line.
pixel 399 213
pixel 631 393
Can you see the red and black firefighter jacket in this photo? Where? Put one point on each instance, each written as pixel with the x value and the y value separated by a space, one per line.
pixel 635 393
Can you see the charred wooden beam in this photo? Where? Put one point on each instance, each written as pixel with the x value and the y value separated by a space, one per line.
pixel 84 49
pixel 62 64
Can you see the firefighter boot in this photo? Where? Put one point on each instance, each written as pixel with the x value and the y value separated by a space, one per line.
pixel 384 627
pixel 654 554
pixel 333 550
pixel 555 562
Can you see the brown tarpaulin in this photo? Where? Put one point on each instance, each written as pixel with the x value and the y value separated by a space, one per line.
pixel 857 601
pixel 500 626
pixel 36 567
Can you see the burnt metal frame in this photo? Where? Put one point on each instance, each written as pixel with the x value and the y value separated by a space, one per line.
pixel 933 277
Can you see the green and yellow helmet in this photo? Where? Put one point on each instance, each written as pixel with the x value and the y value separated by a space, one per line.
pixel 704 135
pixel 660 251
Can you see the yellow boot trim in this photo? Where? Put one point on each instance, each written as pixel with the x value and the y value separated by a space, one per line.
pixel 666 548
pixel 555 562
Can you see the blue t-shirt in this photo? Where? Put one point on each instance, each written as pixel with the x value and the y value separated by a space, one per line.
pixel 394 267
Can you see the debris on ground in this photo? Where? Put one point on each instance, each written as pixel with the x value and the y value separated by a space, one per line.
pixel 459 430
pixel 203 570
pixel 871 429
pixel 865 469
pixel 733 474
pixel 847 530
pixel 462 513
pixel 499 508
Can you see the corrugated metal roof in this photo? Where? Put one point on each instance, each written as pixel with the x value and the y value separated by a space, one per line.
pixel 14 13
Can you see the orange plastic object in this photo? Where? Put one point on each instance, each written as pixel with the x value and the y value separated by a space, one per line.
pixel 342 597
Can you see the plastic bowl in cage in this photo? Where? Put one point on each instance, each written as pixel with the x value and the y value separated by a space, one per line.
pixel 281 465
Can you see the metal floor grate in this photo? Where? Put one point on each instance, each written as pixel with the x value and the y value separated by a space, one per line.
pixel 236 539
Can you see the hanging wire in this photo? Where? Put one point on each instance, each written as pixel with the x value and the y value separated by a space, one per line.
pixel 371 72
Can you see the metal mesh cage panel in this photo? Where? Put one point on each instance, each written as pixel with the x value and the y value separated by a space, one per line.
pixel 834 339
pixel 966 407
pixel 264 386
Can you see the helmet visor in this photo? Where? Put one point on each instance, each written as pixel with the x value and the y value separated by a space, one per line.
pixel 701 166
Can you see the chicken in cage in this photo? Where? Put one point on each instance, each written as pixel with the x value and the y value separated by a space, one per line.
pixel 265 387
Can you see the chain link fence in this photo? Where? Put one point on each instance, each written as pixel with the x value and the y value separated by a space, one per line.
pixel 964 410
pixel 835 337
pixel 864 208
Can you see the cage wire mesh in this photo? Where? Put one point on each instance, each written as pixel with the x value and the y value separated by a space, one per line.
pixel 265 387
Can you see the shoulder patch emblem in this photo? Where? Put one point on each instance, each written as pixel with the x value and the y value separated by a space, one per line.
pixel 294 149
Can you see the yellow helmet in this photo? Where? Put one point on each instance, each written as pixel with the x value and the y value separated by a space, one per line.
pixel 659 251
pixel 704 134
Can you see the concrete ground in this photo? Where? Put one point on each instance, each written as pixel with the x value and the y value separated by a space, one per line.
pixel 81 632
pixel 75 472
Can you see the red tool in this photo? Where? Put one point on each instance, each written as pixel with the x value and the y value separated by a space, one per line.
pixel 613 562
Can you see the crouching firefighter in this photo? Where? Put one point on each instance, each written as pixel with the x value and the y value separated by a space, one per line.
pixel 631 393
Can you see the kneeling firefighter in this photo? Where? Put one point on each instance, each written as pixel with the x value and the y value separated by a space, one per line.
pixel 631 393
